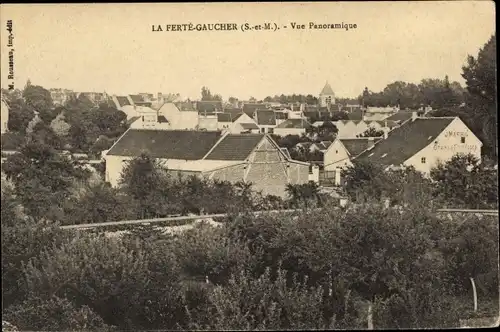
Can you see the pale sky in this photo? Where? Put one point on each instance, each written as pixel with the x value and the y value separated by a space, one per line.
pixel 110 47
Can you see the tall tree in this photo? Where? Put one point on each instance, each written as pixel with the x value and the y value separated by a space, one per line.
pixel 43 180
pixel 480 77
pixel 144 179
pixel 37 97
pixel 20 115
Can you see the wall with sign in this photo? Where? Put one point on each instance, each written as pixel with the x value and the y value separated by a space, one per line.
pixel 457 138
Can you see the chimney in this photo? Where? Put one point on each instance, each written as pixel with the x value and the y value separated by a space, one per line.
pixel 371 142
pixel 414 116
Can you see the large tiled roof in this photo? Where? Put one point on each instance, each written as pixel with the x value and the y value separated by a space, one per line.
pixel 137 98
pixel 400 116
pixel 122 100
pixel 249 126
pixel 234 112
pixel 208 106
pixel 385 123
pixel 249 109
pixel 281 115
pixel 185 106
pixel 294 123
pixel 266 117
pixel 357 145
pixel 356 114
pixel 235 147
pixel 175 144
pixel 405 141
pixel 224 117
pixel 327 90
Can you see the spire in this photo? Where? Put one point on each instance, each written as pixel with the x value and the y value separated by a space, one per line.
pixel 327 90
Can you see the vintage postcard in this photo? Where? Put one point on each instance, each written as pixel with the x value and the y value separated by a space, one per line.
pixel 249 166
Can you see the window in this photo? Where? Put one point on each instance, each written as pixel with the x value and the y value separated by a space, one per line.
pixel 422 160
pixel 462 140
pixel 262 130
pixel 337 151
pixel 271 130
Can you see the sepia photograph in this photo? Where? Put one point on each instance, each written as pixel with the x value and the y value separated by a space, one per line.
pixel 249 166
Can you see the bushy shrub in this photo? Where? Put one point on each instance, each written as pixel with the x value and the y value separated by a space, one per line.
pixel 54 314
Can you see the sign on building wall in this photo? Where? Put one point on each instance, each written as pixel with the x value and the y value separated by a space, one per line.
pixel 455 147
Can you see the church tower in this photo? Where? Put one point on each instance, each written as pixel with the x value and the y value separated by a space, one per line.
pixel 326 96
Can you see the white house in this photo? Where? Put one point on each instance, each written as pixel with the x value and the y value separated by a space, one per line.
pixel 292 127
pixel 150 121
pixel 379 113
pixel 4 117
pixel 224 121
pixel 180 119
pixel 424 142
pixel 341 152
pixel 243 123
pixel 266 120
pixel 207 121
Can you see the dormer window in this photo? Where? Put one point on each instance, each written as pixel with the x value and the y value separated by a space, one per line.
pixel 382 156
pixel 371 154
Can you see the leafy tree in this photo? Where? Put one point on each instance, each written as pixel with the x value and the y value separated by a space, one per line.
pixel 117 283
pixel 22 239
pixel 464 182
pixel 43 180
pixel 102 143
pixel 60 126
pixel 364 181
pixel 44 134
pixel 101 203
pixel 480 77
pixel 19 116
pixel 207 251
pixel 12 140
pixel 38 98
pixel 143 179
pixel 306 194
pixel 207 95
pixel 371 132
pixel 263 303
pixel 54 314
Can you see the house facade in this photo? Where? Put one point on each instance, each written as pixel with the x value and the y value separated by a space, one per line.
pixel 179 119
pixel 150 120
pixel 243 123
pixel 354 128
pixel 292 127
pixel 266 120
pixel 340 153
pixel 61 96
pixel 255 159
pixel 379 113
pixel 424 142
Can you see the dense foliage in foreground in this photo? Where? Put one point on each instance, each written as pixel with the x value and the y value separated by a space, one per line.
pixel 313 270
